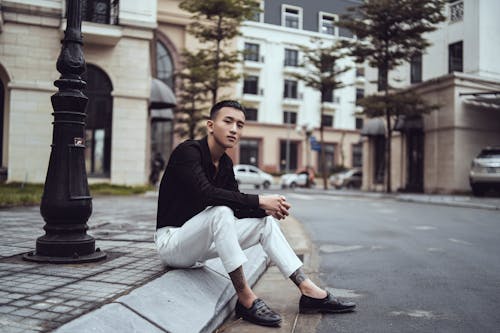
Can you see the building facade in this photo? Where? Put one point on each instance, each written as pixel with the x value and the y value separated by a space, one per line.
pixel 461 73
pixel 284 116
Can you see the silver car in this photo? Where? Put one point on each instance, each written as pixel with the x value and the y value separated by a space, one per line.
pixel 249 174
pixel 485 171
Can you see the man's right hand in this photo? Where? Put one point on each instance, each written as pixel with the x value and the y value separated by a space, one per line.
pixel 275 205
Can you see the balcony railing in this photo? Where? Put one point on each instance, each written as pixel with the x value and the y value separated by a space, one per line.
pixel 100 11
pixel 456 11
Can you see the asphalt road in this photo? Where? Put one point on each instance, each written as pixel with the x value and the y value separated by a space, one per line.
pixel 409 267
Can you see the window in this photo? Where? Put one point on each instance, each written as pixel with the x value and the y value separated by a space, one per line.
pixel 360 71
pixel 327 95
pixel 326 23
pixel 251 114
pixel 164 65
pixel 290 117
pixel 259 15
pixel 329 158
pixel 357 155
pixel 288 155
pixel 99 122
pixel 455 57
pixel 382 79
pixel 456 11
pixel 379 159
pixel 290 90
pixel 291 57
pixel 327 120
pixel 343 32
pixel 359 123
pixel 360 93
pixel 251 85
pixel 249 152
pixel 100 11
pixel 291 17
pixel 2 99
pixel 416 69
pixel 251 52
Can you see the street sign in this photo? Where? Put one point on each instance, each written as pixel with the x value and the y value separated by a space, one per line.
pixel 315 145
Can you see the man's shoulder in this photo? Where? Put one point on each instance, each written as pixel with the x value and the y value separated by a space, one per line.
pixel 188 147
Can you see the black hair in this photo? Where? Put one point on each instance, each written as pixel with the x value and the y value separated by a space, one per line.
pixel 226 103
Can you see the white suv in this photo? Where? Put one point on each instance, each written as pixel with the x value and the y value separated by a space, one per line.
pixel 248 174
pixel 485 171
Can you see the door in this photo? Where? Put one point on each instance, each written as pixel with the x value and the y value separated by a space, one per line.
pixel 2 100
pixel 415 160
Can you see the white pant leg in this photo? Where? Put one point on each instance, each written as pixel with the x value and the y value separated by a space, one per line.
pixel 189 244
pixel 215 232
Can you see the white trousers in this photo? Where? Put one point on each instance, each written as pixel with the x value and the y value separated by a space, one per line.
pixel 216 232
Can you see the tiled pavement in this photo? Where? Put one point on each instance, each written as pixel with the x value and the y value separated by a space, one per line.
pixel 40 297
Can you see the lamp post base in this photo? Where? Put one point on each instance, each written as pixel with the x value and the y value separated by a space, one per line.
pixel 96 256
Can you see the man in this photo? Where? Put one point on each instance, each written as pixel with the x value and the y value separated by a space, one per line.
pixel 202 215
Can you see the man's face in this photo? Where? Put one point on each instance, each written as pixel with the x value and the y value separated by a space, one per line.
pixel 227 126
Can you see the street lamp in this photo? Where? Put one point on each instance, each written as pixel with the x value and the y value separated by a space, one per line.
pixel 66 202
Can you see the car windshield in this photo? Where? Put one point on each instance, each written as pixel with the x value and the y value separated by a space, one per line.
pixel 491 153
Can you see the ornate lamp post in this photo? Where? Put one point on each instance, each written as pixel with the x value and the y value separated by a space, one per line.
pixel 66 203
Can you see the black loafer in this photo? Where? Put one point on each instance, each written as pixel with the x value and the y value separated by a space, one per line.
pixel 329 304
pixel 259 314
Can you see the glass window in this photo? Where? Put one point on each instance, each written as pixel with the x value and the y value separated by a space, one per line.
pixel 327 24
pixel 291 57
pixel 99 121
pixel 327 95
pixel 100 11
pixel 455 57
pixel 359 123
pixel 251 85
pixel 251 114
pixel 288 155
pixel 327 120
pixel 360 71
pixel 289 117
pixel 360 93
pixel 164 65
pixel 357 155
pixel 379 159
pixel 290 89
pixel 251 52
pixel 416 69
pixel 249 152
pixel 291 17
pixel 2 94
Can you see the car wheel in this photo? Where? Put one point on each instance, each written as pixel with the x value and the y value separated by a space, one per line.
pixel 477 190
pixel 293 185
pixel 266 184
pixel 257 186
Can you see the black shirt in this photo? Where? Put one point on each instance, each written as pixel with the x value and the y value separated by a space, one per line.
pixel 190 184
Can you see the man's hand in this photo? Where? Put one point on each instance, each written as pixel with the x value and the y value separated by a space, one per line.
pixel 274 205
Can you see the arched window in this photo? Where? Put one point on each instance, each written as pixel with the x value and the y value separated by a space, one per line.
pixel 164 65
pixel 99 120
pixel 2 102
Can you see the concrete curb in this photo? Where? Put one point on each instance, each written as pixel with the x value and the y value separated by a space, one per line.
pixel 181 300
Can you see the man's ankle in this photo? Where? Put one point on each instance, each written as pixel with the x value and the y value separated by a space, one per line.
pixel 247 299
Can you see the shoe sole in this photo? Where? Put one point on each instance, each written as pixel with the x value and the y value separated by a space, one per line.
pixel 316 311
pixel 270 324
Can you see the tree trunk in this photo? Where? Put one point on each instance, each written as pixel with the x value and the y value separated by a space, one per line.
pixel 388 152
pixel 322 152
pixel 215 86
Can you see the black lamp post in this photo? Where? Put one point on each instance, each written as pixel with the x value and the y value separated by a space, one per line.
pixel 66 203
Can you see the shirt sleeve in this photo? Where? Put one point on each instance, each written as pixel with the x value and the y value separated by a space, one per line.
pixel 187 168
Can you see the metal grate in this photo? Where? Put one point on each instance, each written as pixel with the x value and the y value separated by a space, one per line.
pixel 456 11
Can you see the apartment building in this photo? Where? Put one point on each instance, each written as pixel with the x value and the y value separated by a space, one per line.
pixel 460 72
pixel 283 115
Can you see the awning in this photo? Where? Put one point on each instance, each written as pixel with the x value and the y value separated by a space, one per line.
pixel 405 123
pixel 162 97
pixel 373 127
pixel 488 100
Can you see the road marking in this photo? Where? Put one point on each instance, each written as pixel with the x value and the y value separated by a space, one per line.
pixel 331 248
pixel 377 247
pixel 423 227
pixel 435 249
pixel 343 293
pixel 459 241
pixel 300 196
pixel 415 314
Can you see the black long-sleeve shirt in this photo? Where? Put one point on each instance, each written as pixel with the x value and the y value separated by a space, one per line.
pixel 190 184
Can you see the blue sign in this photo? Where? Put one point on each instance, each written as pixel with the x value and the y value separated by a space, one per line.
pixel 315 145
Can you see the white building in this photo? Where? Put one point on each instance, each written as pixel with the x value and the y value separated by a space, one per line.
pixel 433 154
pixel 282 109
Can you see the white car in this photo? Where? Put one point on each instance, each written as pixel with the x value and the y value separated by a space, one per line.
pixel 485 171
pixel 349 179
pixel 293 180
pixel 249 174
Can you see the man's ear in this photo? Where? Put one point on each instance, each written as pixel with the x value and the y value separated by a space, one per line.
pixel 210 126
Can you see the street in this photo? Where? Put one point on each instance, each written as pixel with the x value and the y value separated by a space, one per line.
pixel 410 267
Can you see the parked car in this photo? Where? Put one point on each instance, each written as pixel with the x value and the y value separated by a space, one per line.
pixel 293 180
pixel 249 174
pixel 485 171
pixel 349 179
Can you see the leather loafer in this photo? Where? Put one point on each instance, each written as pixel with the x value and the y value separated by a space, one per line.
pixel 259 313
pixel 329 304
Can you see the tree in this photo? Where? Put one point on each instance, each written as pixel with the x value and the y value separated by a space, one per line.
pixel 192 96
pixel 215 23
pixel 389 33
pixel 321 64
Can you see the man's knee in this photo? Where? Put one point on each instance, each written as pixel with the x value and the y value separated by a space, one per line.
pixel 222 211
